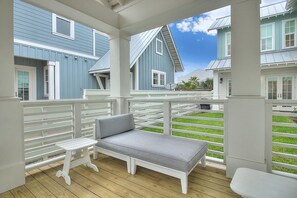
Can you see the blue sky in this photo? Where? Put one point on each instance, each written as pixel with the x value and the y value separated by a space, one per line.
pixel 197 46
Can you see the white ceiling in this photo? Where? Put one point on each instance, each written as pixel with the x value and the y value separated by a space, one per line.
pixel 130 16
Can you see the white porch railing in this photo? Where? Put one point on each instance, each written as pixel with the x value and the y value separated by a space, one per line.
pixel 281 133
pixel 100 94
pixel 47 122
pixel 184 117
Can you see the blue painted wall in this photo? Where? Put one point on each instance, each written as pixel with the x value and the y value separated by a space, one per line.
pixel 150 60
pixel 35 25
pixel 74 75
pixel 102 44
pixel 278 33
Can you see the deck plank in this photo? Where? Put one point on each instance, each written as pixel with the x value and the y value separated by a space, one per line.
pixel 75 188
pixel 6 195
pixel 51 185
pixel 21 191
pixel 36 188
pixel 112 180
pixel 90 185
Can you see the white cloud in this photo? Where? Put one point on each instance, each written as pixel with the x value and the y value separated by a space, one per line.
pixel 201 23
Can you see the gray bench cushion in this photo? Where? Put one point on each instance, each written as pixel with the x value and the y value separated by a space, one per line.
pixel 109 126
pixel 172 152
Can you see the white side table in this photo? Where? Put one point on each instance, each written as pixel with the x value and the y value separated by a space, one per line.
pixel 73 145
pixel 257 184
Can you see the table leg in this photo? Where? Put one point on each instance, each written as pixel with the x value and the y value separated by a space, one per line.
pixel 87 160
pixel 65 172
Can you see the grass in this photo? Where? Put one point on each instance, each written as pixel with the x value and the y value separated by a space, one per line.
pixel 200 128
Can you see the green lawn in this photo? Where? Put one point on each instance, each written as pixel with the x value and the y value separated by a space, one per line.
pixel 280 119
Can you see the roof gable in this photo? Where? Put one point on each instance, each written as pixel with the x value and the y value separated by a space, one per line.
pixel 265 12
pixel 138 44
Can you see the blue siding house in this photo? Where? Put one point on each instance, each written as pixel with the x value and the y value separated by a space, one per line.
pixel 54 57
pixel 153 61
pixel 278 47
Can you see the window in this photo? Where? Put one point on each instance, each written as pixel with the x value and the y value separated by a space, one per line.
pixel 289 33
pixel 159 47
pixel 158 78
pixel 46 81
pixel 62 27
pixel 228 43
pixel 267 37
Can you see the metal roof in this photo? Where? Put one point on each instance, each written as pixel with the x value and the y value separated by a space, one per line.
pixel 291 5
pixel 267 59
pixel 138 44
pixel 265 12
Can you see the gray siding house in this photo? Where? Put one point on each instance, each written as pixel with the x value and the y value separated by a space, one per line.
pixel 54 57
pixel 278 47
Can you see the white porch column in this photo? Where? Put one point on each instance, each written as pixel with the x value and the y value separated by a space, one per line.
pixel 120 70
pixel 246 108
pixel 51 80
pixel 12 173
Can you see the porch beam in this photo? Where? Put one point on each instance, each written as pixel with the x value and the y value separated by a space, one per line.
pixel 120 70
pixel 143 16
pixel 246 108
pixel 12 166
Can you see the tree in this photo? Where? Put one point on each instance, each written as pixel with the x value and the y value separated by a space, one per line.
pixel 207 84
pixel 190 85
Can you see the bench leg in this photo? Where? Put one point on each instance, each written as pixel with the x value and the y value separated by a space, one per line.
pixel 129 164
pixel 203 160
pixel 184 183
pixel 87 160
pixel 95 153
pixel 133 166
pixel 65 172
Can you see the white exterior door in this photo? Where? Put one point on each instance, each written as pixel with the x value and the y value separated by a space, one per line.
pixel 25 83
pixel 280 88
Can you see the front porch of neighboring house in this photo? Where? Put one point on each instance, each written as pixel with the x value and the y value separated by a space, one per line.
pixel 276 83
pixel 242 120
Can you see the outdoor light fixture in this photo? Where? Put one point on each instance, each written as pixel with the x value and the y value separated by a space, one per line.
pixel 221 80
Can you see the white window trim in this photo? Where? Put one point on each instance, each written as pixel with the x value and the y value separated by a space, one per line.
pixel 54 27
pixel 44 82
pixel 283 34
pixel 226 45
pixel 161 42
pixel 159 78
pixel 273 38
pixel 94 39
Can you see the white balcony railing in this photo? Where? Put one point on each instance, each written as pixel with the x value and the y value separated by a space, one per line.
pixel 281 133
pixel 47 122
pixel 184 117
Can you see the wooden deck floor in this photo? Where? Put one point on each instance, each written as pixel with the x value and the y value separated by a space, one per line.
pixel 114 181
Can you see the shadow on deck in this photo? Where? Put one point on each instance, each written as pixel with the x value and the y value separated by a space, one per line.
pixel 114 181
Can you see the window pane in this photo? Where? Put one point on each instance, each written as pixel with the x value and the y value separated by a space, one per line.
pixel 272 88
pixel 63 26
pixel 159 47
pixel 162 79
pixel 155 79
pixel 287 88
pixel 23 85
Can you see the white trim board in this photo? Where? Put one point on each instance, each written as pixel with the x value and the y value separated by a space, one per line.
pixel 29 43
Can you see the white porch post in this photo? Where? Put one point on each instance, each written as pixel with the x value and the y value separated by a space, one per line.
pixel 51 80
pixel 12 171
pixel 120 70
pixel 246 108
